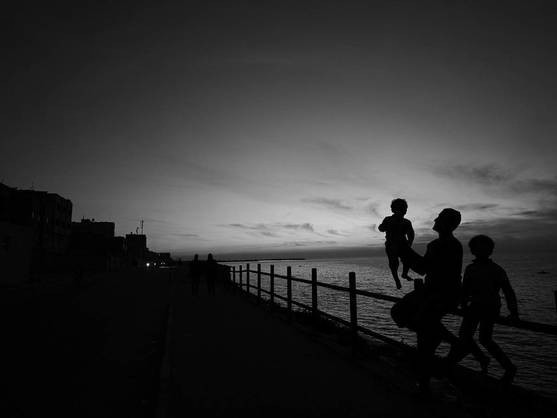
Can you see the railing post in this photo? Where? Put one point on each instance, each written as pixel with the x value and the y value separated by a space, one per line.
pixel 353 306
pixel 234 274
pixel 259 282
pixel 272 284
pixel 240 274
pixel 289 290
pixel 314 293
pixel 247 278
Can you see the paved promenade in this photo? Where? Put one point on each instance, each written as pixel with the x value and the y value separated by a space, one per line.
pixel 231 357
pixel 138 344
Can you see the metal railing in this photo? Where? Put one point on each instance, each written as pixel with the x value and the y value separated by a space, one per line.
pixel 237 277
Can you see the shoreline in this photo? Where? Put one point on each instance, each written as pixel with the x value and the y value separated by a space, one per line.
pixel 261 260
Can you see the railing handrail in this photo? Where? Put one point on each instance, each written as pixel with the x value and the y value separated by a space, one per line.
pixel 519 324
pixel 362 329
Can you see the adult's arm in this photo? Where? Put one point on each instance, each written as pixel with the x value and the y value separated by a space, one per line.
pixel 466 285
pixel 414 260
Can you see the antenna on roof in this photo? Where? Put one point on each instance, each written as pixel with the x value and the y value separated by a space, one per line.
pixel 141 223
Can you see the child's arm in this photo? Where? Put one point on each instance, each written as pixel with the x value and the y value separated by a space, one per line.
pixel 410 234
pixel 384 225
pixel 510 296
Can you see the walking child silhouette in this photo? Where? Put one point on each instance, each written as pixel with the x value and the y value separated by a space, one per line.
pixel 481 303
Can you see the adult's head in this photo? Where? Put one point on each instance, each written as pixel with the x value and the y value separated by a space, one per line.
pixel 481 246
pixel 447 221
pixel 210 257
pixel 399 206
pixel 196 257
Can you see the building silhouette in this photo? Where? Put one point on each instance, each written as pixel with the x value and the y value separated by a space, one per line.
pixel 94 246
pixel 37 220
pixel 138 253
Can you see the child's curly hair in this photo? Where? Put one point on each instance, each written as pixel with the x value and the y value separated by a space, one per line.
pixel 399 205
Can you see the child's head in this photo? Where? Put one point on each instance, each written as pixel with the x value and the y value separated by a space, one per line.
pixel 399 206
pixel 481 246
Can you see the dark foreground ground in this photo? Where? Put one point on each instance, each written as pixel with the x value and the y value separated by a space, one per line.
pixel 92 351
pixel 139 344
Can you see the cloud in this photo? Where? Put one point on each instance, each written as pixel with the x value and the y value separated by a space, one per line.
pixel 335 204
pixel 488 174
pixel 512 227
pixel 504 179
pixel 476 206
pixel 306 243
pixel 521 227
pixel 544 186
pixel 305 226
pixel 268 234
pixel 272 229
pixel 373 207
pixel 548 213
pixel 261 229
pixel 335 232
pixel 184 235
pixel 529 228
pixel 243 226
pixel 261 226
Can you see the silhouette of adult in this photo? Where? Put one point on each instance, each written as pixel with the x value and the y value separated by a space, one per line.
pixel 441 265
pixel 195 272
pixel 211 274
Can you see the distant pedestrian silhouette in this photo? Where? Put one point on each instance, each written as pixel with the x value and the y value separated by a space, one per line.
pixel 423 310
pixel 195 273
pixel 482 282
pixel 399 234
pixel 211 274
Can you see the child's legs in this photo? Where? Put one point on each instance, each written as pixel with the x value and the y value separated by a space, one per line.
pixel 486 339
pixel 392 255
pixel 405 268
pixel 393 265
pixel 467 331
pixel 466 343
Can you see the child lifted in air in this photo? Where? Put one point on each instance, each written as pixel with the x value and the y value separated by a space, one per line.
pixel 399 234
pixel 482 282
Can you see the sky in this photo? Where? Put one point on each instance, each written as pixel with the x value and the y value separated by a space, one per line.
pixel 241 126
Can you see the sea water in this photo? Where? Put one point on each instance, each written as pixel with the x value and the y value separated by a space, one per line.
pixel 533 277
